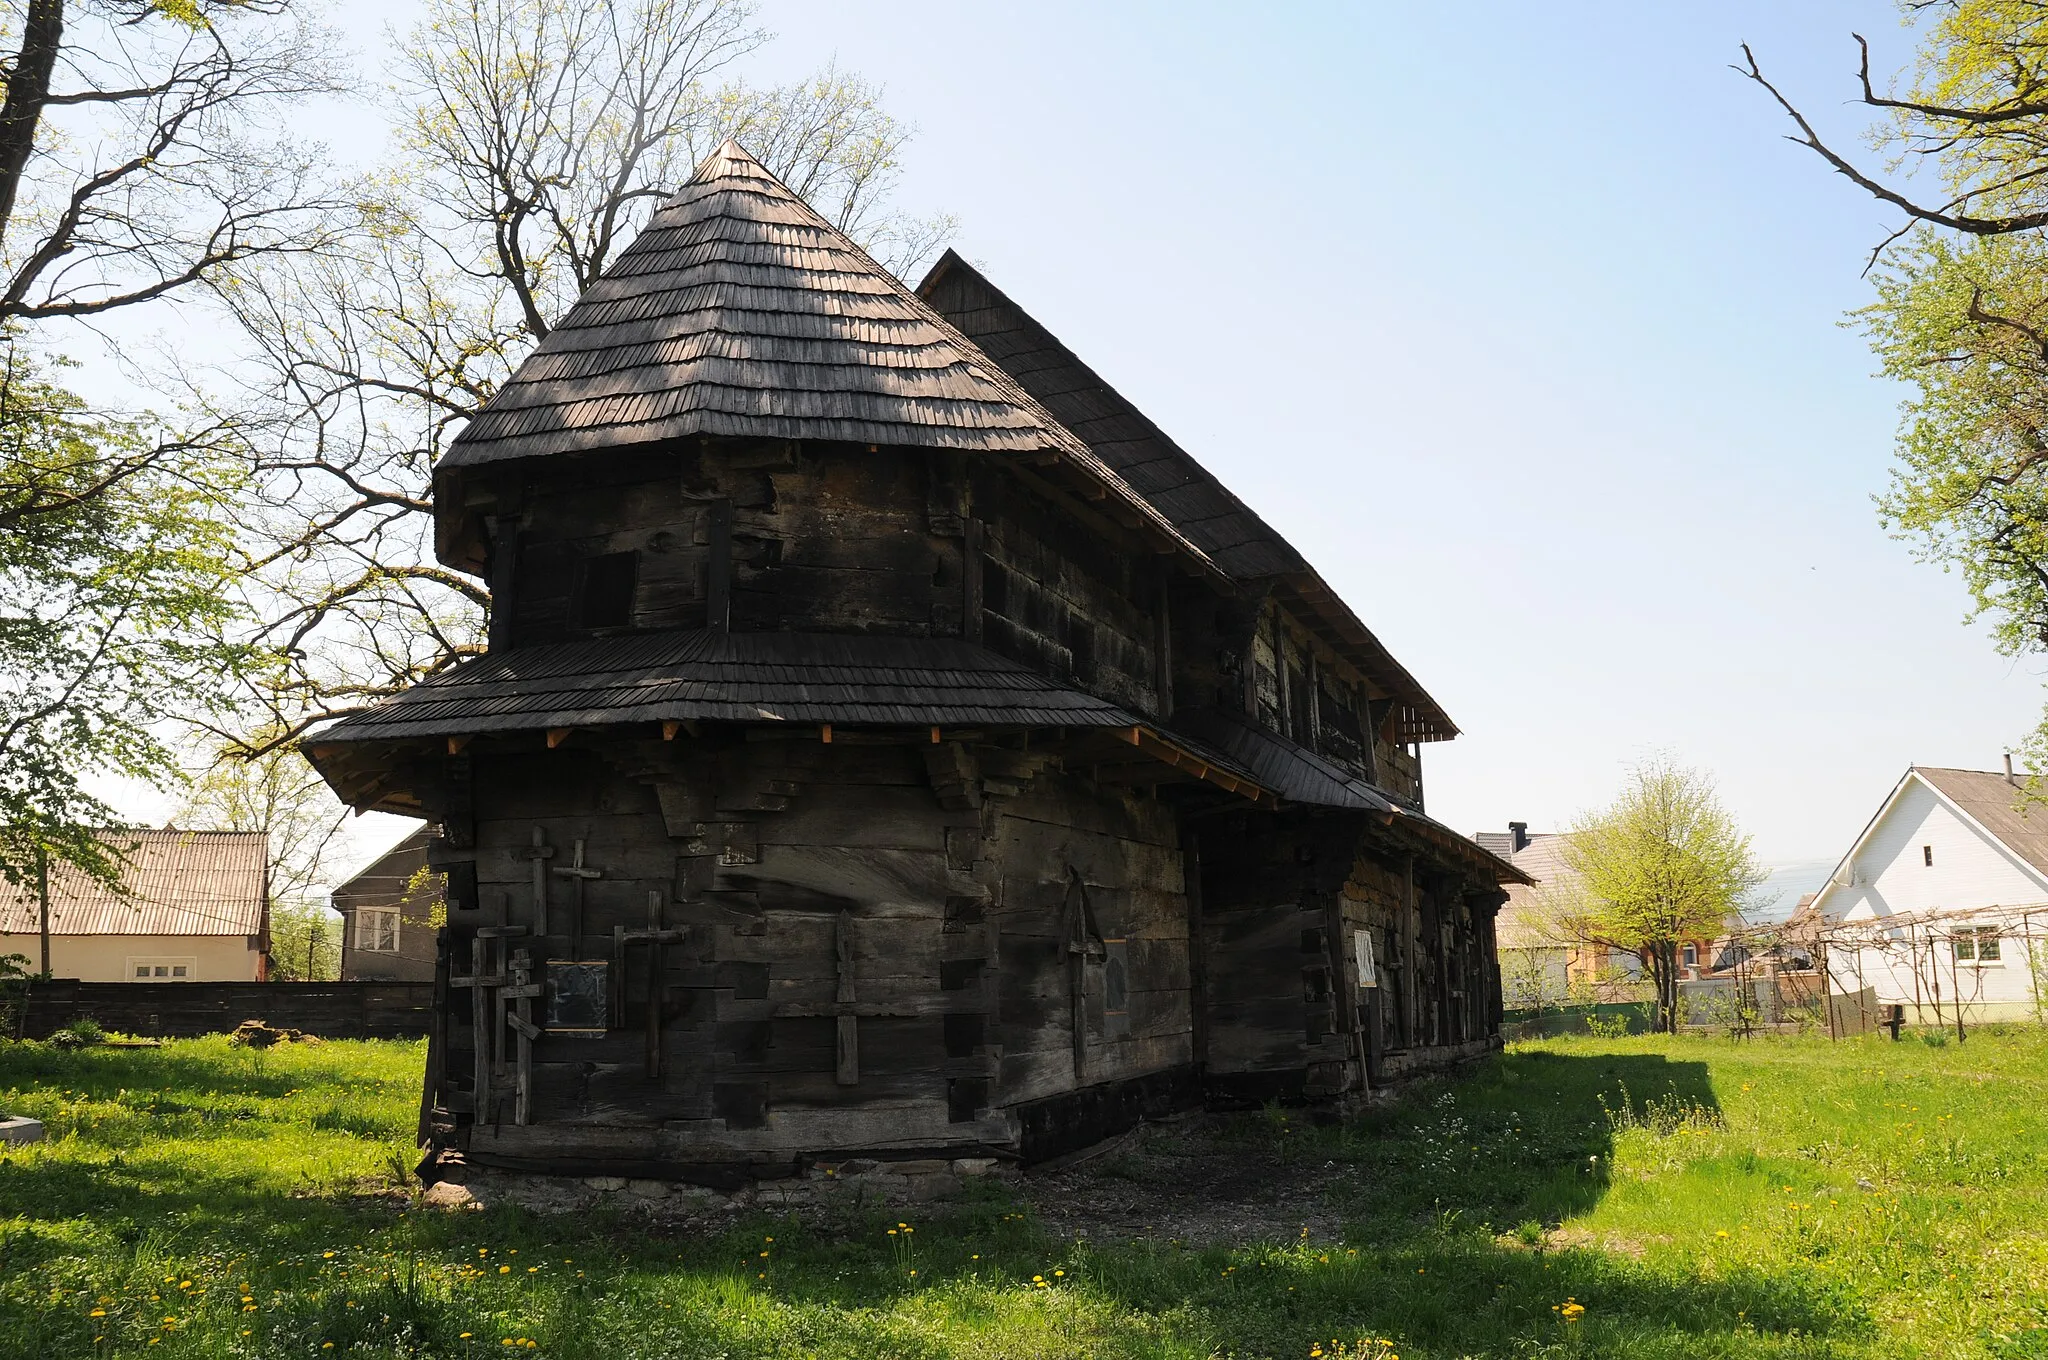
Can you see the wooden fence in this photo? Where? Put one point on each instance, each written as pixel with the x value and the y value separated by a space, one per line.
pixel 332 1010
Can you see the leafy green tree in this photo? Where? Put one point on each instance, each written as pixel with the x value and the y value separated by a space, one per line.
pixel 115 589
pixel 276 793
pixel 1961 317
pixel 145 150
pixel 1663 864
pixel 305 943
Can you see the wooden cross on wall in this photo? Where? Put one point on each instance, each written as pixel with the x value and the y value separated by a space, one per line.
pixel 845 1008
pixel 579 873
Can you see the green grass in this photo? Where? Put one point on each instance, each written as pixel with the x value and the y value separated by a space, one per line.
pixel 1696 1197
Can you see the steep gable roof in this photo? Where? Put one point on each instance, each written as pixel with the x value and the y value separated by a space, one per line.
pixel 1241 544
pixel 176 882
pixel 1981 797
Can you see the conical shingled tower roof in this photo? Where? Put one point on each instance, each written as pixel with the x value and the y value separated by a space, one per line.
pixel 740 311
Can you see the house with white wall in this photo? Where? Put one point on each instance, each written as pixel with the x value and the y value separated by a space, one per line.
pixel 1940 899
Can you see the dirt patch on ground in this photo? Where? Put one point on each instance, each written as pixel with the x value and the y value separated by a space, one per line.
pixel 1197 1181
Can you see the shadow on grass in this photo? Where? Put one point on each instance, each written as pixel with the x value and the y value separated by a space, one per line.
pixel 1448 1194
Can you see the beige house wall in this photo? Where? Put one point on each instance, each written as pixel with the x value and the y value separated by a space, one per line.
pixel 106 958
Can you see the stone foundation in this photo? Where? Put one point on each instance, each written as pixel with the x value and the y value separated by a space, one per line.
pixel 853 1183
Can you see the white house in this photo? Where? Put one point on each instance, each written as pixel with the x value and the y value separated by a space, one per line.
pixel 1941 899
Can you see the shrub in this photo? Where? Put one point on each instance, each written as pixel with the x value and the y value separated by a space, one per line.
pixel 83 1032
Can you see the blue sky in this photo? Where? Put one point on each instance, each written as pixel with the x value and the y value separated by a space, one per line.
pixel 1524 322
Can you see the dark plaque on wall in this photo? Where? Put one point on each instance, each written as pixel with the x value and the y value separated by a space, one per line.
pixel 579 998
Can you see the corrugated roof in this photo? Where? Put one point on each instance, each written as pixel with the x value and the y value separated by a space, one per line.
pixel 1243 545
pixel 2000 807
pixel 1537 914
pixel 698 674
pixel 176 883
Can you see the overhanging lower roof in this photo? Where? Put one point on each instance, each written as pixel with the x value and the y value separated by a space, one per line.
pixel 695 675
pixel 1295 774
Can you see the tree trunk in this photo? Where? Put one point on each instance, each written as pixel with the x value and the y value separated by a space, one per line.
pixel 28 91
pixel 43 904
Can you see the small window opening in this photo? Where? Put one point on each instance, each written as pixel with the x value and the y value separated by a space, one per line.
pixel 607 596
pixel 1927 855
pixel 1692 956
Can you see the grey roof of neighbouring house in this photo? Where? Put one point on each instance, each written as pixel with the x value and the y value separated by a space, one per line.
pixel 174 883
pixel 2001 807
pixel 698 674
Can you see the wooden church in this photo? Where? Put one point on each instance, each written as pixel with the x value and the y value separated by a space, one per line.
pixel 892 743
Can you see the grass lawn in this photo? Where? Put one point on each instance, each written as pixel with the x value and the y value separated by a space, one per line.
pixel 1694 1197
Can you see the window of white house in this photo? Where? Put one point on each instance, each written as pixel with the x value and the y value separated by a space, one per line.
pixel 162 970
pixel 1692 956
pixel 1976 944
pixel 377 930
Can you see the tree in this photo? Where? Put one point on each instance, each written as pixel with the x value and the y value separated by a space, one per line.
pixel 141 155
pixel 114 593
pixel 278 794
pixel 535 137
pixel 1961 317
pixel 305 943
pixel 1664 863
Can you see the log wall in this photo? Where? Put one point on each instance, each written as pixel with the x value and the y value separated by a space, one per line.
pixel 882 947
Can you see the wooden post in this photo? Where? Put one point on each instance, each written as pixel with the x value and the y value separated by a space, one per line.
pixel 1411 961
pixel 521 1022
pixel 1955 978
pixel 971 582
pixel 480 1028
pixel 846 1068
pixel 1198 961
pixel 657 967
pixel 43 903
pixel 579 873
pixel 540 852
pixel 718 569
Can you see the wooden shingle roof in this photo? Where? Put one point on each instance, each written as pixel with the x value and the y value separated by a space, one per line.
pixel 1240 543
pixel 703 674
pixel 740 311
pixel 174 883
